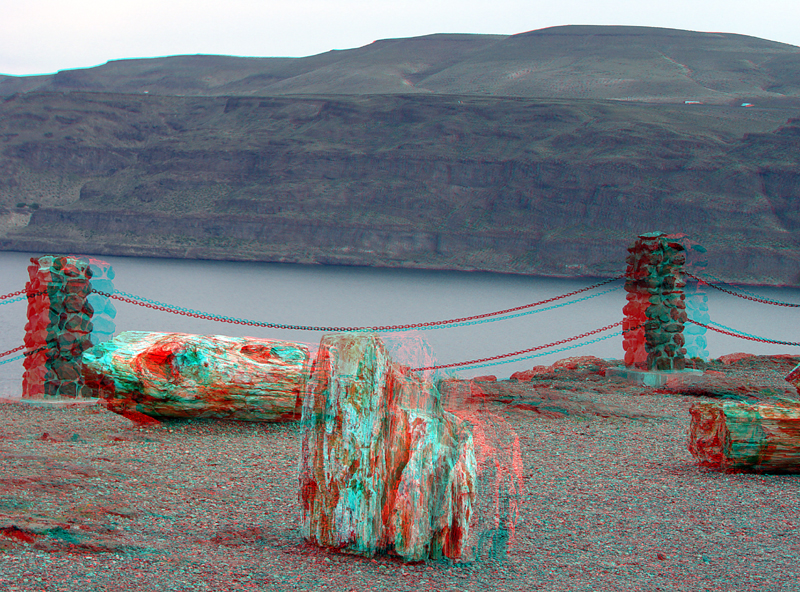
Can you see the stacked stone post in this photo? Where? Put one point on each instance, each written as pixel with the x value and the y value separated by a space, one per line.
pixel 655 312
pixel 103 325
pixel 58 329
pixel 696 306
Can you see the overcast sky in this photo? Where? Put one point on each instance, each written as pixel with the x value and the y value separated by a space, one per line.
pixel 44 36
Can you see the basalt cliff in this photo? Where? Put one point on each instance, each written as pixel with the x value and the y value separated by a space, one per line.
pixel 543 153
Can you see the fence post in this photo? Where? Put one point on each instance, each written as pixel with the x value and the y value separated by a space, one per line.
pixel 58 330
pixel 103 325
pixel 696 304
pixel 655 312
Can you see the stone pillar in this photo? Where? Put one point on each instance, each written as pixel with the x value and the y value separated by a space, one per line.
pixel 696 304
pixel 655 312
pixel 58 329
pixel 103 325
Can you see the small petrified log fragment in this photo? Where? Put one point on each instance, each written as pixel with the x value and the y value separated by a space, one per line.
pixel 382 467
pixel 741 436
pixel 180 375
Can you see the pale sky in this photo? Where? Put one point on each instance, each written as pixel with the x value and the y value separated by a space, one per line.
pixel 44 36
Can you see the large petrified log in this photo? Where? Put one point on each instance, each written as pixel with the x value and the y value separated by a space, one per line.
pixel 180 375
pixel 760 437
pixel 382 466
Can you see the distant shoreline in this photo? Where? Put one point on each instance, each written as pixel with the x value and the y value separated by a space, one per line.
pixel 175 254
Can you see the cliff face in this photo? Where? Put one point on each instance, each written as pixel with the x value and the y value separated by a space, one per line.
pixel 438 152
pixel 511 185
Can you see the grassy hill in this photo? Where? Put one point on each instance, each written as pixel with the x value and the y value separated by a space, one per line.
pixel 580 62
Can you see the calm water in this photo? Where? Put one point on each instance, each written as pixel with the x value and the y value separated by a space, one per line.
pixel 351 296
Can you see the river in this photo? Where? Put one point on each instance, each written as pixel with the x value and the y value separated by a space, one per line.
pixel 359 296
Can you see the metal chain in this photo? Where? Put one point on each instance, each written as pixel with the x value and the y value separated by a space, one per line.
pixel 24 354
pixel 744 335
pixel 28 295
pixel 12 294
pixel 11 351
pixel 547 353
pixel 139 301
pixel 517 353
pixel 753 298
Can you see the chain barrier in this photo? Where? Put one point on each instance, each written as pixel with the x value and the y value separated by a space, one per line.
pixel 547 353
pixel 449 323
pixel 155 305
pixel 512 354
pixel 11 351
pixel 522 314
pixel 16 349
pixel 6 299
pixel 17 293
pixel 742 335
pixel 753 298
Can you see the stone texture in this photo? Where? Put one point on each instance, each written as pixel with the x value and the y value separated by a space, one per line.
pixel 499 479
pixel 59 328
pixel 181 375
pixel 731 436
pixel 103 325
pixel 793 378
pixel 383 468
pixel 655 312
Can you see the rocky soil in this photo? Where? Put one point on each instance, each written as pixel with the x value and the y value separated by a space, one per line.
pixel 612 500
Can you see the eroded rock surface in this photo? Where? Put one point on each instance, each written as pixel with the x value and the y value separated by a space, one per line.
pixel 181 375
pixel 746 437
pixel 382 466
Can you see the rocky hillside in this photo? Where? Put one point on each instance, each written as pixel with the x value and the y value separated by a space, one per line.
pixel 428 174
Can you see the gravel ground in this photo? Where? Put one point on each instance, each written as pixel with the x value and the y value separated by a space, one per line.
pixel 612 500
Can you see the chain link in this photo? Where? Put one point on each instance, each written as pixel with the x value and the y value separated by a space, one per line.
pixel 17 293
pixel 732 333
pixel 11 351
pixel 752 298
pixel 517 353
pixel 547 353
pixel 155 305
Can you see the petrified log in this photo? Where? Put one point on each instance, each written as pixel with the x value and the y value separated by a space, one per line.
pixel 382 467
pixel 180 375
pixel 759 437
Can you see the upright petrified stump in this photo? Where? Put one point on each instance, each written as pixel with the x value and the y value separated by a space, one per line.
pixel 58 329
pixel 655 313
pixel 748 437
pixel 382 467
pixel 180 375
